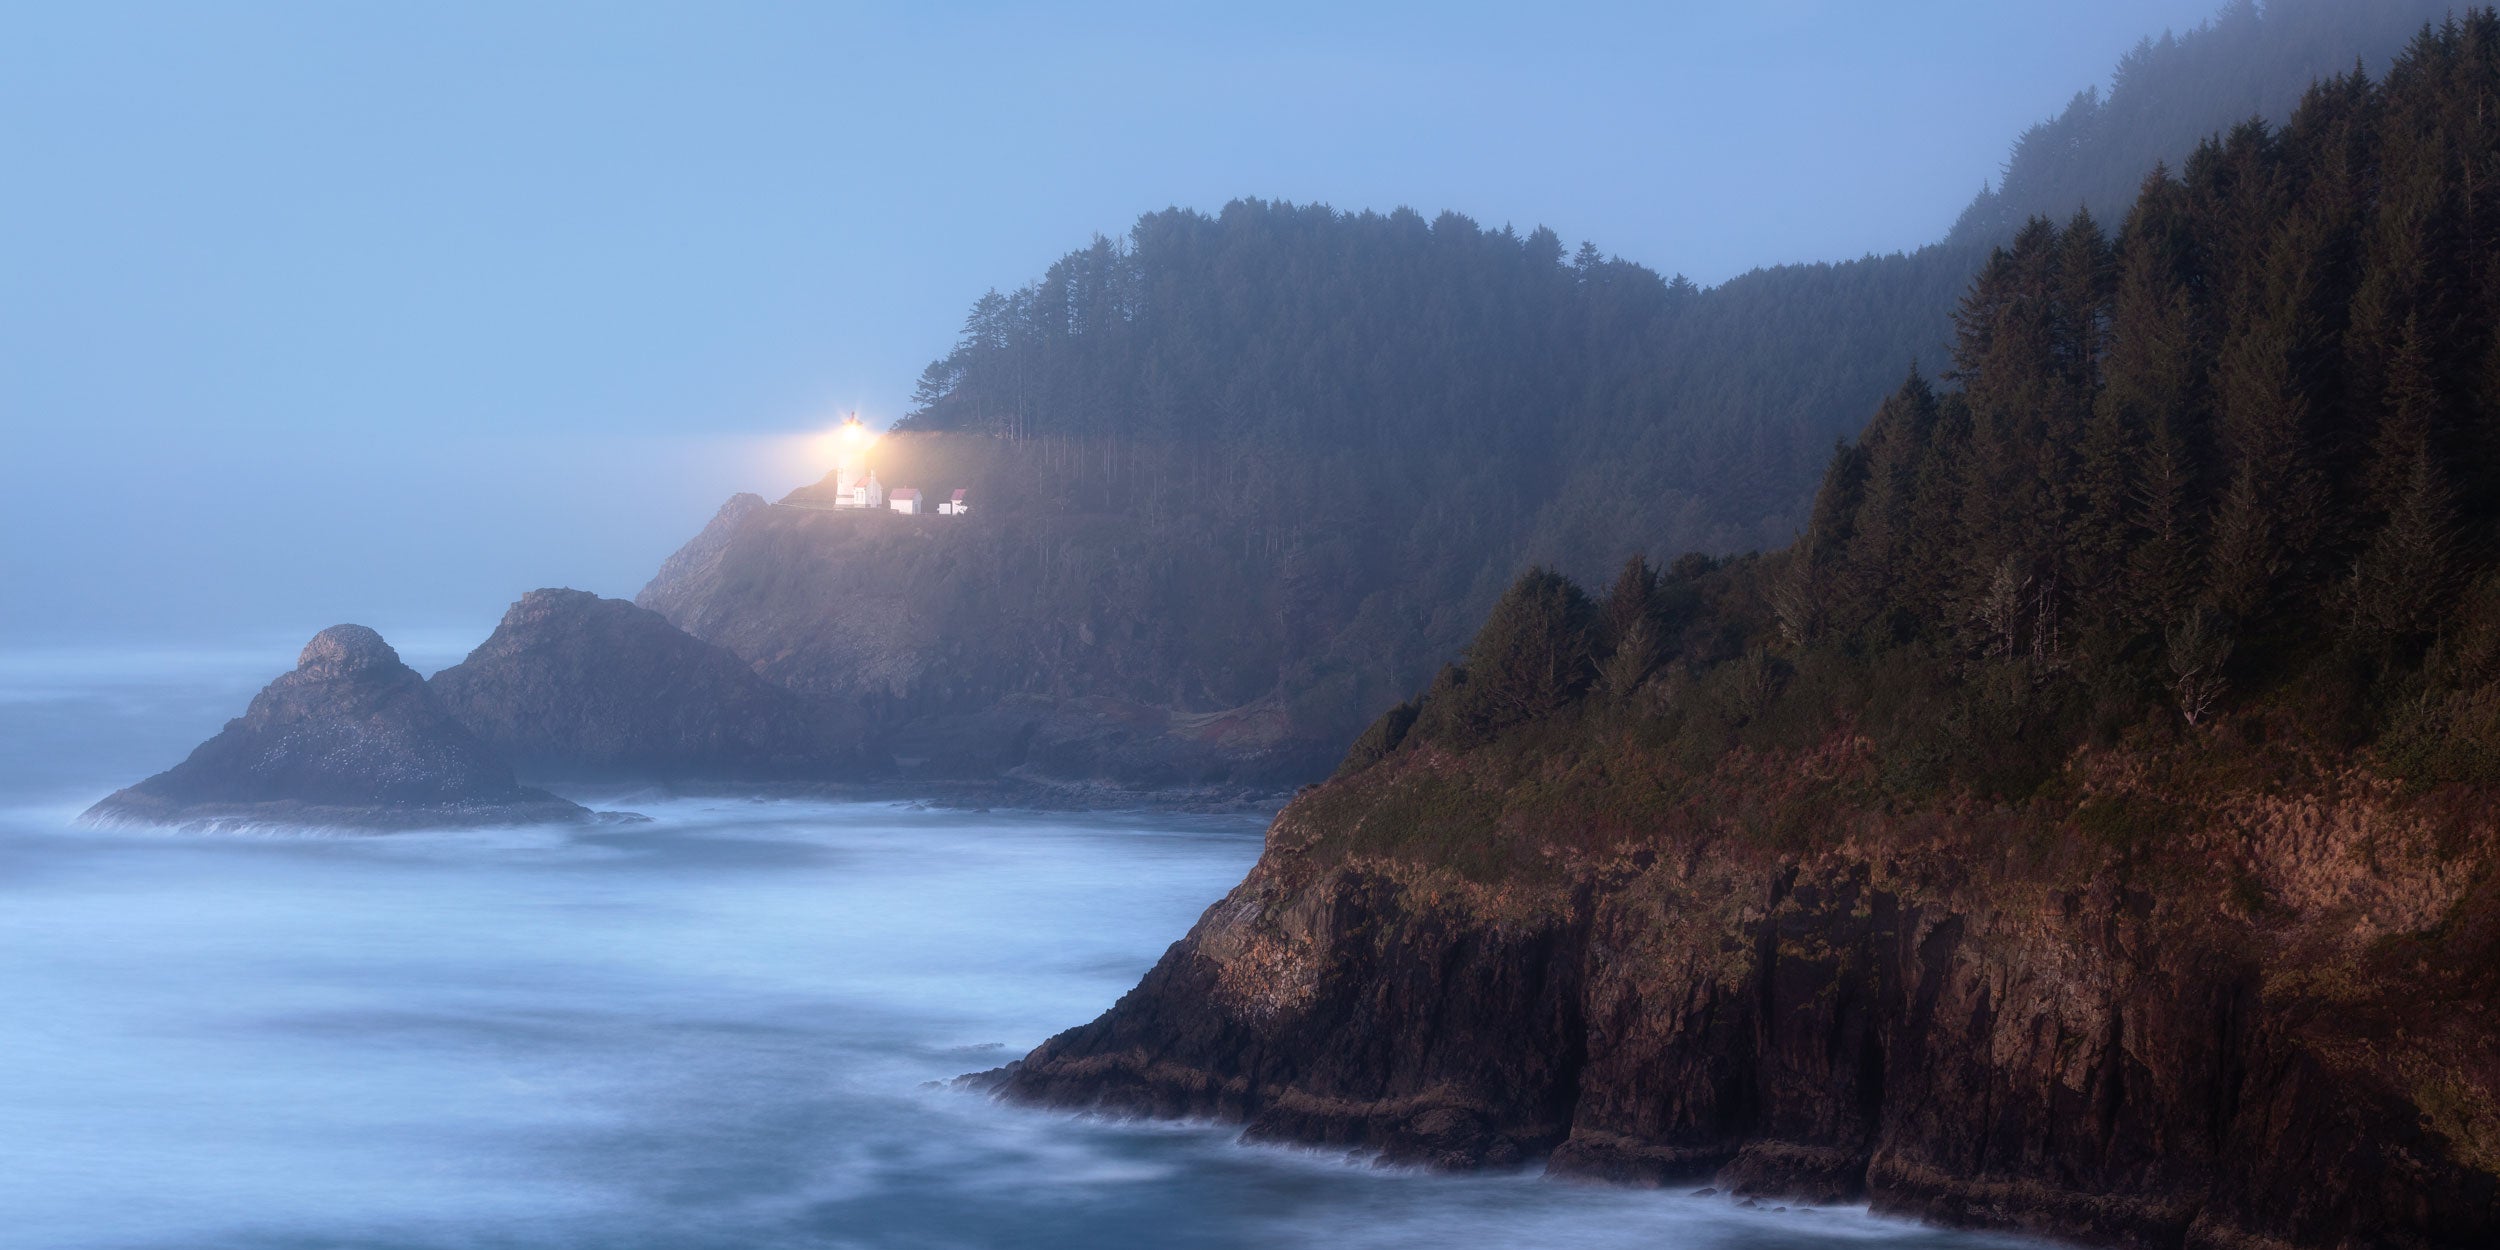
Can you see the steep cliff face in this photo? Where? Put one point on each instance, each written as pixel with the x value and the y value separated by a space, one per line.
pixel 351 738
pixel 689 566
pixel 574 686
pixel 2235 1013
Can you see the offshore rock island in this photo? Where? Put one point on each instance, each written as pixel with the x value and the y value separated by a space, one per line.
pixel 574 687
pixel 350 739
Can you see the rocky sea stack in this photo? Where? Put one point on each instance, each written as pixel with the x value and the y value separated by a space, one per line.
pixel 352 738
pixel 574 686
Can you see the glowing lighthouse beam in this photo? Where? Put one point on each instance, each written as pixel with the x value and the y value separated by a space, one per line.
pixel 854 480
pixel 846 442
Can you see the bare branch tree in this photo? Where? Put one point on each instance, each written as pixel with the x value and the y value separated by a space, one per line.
pixel 2199 645
pixel 2048 644
pixel 1795 602
pixel 1999 612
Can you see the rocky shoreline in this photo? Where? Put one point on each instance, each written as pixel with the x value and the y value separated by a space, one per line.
pixel 2120 1051
pixel 1004 793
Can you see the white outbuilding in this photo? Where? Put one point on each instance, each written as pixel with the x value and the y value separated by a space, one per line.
pixel 865 492
pixel 905 500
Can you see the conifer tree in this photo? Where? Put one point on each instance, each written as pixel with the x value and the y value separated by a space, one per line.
pixel 1535 653
pixel 2011 361
pixel 2104 526
pixel 1935 551
pixel 2406 575
pixel 2247 556
pixel 2085 285
pixel 2162 569
pixel 2409 427
pixel 1632 601
pixel 1896 449
pixel 1635 656
pixel 2275 506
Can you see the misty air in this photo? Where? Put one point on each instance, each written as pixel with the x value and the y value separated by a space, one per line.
pixel 1726 627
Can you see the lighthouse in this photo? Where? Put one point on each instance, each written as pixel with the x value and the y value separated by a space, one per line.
pixel 855 483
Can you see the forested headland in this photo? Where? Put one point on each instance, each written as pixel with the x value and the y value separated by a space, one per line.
pixel 2089 825
pixel 1282 459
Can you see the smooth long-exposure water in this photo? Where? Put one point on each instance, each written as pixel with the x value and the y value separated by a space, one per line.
pixel 718 1029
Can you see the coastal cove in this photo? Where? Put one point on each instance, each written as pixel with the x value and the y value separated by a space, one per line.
pixel 730 1026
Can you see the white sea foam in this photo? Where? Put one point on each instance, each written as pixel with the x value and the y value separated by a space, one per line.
pixel 718 1029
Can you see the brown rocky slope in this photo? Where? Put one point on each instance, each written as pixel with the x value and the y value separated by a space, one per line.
pixel 2203 1005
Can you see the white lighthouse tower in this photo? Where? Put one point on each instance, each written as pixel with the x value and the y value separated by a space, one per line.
pixel 855 481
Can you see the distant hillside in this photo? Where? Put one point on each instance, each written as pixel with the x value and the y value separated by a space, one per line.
pixel 1635 413
pixel 1285 455
pixel 2174 92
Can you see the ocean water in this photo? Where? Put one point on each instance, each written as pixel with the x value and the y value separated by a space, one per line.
pixel 729 1027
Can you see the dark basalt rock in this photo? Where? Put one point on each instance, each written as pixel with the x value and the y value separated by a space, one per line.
pixel 574 686
pixel 352 738
pixel 2107 1055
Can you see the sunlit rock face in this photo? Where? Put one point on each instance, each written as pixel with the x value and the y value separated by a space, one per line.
pixel 2268 1023
pixel 351 738
pixel 574 686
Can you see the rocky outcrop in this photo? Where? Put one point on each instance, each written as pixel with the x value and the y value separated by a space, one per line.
pixel 995 644
pixel 694 564
pixel 352 738
pixel 2212 1011
pixel 573 686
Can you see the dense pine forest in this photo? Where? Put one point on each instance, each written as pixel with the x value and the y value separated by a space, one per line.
pixel 2171 93
pixel 1364 424
pixel 2235 469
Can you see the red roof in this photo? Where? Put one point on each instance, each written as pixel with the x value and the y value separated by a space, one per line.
pixel 959 496
pixel 905 493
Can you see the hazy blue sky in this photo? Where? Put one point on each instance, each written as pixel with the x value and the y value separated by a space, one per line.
pixel 388 313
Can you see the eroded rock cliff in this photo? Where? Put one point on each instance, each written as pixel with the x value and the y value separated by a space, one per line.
pixel 2192 1004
